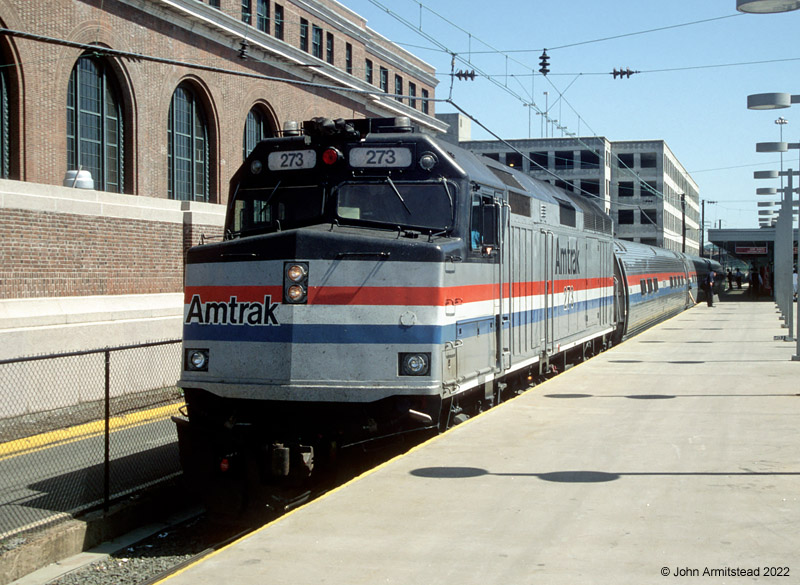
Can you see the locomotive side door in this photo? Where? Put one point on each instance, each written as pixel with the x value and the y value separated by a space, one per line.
pixel 593 282
pixel 504 246
pixel 548 310
pixel 475 351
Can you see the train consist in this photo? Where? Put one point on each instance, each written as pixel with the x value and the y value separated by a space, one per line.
pixel 374 281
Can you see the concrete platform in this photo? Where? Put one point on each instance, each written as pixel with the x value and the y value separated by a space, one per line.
pixel 673 454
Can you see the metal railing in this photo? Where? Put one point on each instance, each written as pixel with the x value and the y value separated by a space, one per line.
pixel 81 429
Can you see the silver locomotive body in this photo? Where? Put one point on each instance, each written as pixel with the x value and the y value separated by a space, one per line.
pixel 375 282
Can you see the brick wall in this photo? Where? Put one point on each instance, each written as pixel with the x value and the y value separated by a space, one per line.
pixel 53 254
pixel 62 242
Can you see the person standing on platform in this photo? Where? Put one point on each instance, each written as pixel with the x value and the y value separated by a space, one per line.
pixel 708 287
pixel 794 282
pixel 755 277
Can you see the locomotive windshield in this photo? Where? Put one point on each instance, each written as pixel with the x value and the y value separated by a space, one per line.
pixel 277 208
pixel 425 206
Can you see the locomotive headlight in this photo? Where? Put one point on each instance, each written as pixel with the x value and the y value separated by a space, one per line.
pixel 256 166
pixel 295 282
pixel 196 360
pixel 295 293
pixel 296 272
pixel 415 364
pixel 428 160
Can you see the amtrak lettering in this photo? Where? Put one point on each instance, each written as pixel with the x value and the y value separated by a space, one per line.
pixel 232 312
pixel 567 259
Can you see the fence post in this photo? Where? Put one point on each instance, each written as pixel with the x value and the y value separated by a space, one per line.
pixel 107 458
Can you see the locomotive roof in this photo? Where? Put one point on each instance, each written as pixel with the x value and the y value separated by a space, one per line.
pixel 492 173
pixel 478 168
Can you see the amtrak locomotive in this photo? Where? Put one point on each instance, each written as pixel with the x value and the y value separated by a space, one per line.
pixel 375 281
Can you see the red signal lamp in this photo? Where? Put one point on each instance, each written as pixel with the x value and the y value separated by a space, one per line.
pixel 331 156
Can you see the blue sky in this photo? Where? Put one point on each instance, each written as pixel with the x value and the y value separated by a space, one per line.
pixel 691 92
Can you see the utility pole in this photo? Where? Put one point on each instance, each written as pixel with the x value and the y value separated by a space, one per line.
pixel 683 229
pixel 703 228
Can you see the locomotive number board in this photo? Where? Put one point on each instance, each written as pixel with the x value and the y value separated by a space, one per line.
pixel 380 156
pixel 289 160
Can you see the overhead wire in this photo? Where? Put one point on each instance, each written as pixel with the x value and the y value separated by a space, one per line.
pixel 645 71
pixel 622 36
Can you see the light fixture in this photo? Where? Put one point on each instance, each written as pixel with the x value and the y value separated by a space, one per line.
pixel 765 174
pixel 331 156
pixel 766 6
pixel 770 101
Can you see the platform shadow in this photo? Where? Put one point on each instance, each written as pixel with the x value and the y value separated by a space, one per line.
pixel 582 476
pixel 668 396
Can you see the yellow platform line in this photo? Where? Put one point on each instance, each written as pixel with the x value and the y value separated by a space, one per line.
pixel 84 431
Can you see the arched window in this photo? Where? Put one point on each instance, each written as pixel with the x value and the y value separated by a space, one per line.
pixel 256 129
pixel 187 148
pixel 94 124
pixel 5 131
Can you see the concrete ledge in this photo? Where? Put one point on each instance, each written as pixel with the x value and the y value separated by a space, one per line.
pixel 31 327
pixel 57 199
pixel 40 312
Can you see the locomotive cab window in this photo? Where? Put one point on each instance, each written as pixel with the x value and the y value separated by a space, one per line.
pixel 483 233
pixel 276 208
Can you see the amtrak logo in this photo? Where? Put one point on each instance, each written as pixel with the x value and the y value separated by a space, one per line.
pixel 567 259
pixel 232 312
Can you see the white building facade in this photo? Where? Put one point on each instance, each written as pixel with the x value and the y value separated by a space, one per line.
pixel 641 184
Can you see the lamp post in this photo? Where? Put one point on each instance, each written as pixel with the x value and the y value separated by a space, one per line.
pixel 784 239
pixel 772 101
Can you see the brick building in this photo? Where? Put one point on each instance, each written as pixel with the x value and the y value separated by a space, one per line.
pixel 160 100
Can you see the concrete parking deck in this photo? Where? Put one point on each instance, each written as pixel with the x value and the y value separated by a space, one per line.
pixel 672 456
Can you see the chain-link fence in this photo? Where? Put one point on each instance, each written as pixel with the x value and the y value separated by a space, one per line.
pixel 79 429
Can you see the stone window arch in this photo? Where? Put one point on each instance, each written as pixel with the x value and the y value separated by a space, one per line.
pixel 257 127
pixel 188 149
pixel 95 123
